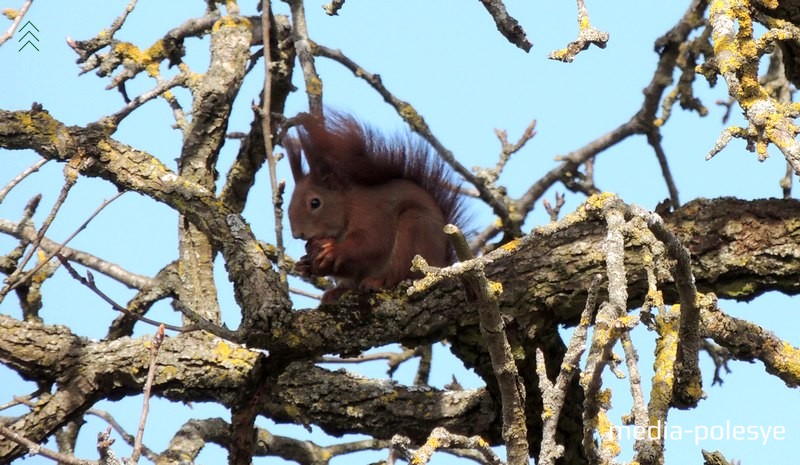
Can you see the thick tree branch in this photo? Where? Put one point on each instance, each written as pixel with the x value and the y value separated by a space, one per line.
pixel 216 371
pixel 714 237
pixel 748 341
pixel 213 99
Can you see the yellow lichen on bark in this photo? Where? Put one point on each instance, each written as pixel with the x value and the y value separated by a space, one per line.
pixel 495 288
pixel 25 120
pixel 410 115
pixel 148 59
pixel 779 135
pixel 608 435
pixel 314 85
pixel 230 21
pixel 664 365
pixel 599 201
pixel 737 55
pixel 511 246
pixel 559 54
pixel 239 357
pixel 735 49
pixel 787 360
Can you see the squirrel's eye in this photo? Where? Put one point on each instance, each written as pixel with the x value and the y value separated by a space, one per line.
pixel 315 203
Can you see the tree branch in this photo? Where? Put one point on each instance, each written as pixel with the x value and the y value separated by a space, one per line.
pixel 16 17
pixel 506 24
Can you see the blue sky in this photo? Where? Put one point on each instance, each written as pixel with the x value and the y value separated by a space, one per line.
pixel 447 59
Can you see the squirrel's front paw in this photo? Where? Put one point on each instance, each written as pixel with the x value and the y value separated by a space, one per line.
pixel 303 267
pixel 324 256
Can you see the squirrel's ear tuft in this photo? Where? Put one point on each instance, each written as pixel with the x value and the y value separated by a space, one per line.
pixel 334 148
pixel 293 153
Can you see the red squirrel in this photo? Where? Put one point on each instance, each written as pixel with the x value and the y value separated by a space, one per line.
pixel 368 204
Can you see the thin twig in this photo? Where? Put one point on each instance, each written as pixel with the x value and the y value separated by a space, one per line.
pixel 786 182
pixel 332 8
pixel 611 324
pixel 89 282
pixel 554 394
pixel 640 414
pixel 639 123
pixel 126 436
pixel 484 295
pixel 640 418
pixel 56 251
pixel 587 35
pixel 22 400
pixel 506 24
pixel 778 355
pixel 423 375
pixel 440 438
pixel 596 402
pixel 688 383
pixel 508 149
pixel 490 175
pixel 11 184
pixel 27 233
pixel 27 216
pixel 393 359
pixel 479 240
pixel 728 104
pixel 335 450
pixel 155 345
pixel 571 162
pixel 651 449
pixel 141 99
pixel 104 443
pixel 553 211
pixel 410 115
pixel 614 248
pixel 37 449
pixel 20 14
pixel 720 356
pixel 266 130
pixel 199 322
pixel 458 269
pixel 117 24
pixel 654 139
pixel 304 53
pixel 607 329
pixel 310 295
pixel 13 280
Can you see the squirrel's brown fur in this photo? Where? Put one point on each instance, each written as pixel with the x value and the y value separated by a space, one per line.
pixel 368 203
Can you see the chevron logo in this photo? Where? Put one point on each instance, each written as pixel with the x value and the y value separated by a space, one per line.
pixel 29 35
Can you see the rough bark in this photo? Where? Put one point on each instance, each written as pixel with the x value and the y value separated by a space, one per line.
pixel 739 250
